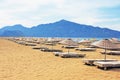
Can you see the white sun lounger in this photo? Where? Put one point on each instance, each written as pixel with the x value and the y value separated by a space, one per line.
pixel 71 55
pixel 57 53
pixel 86 49
pixel 71 47
pixel 105 64
pixel 112 53
pixel 68 55
pixel 91 61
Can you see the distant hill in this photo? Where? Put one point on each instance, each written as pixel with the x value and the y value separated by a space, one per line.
pixel 62 28
pixel 14 33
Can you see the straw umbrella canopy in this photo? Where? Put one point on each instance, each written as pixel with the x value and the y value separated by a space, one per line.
pixel 105 44
pixel 51 41
pixel 84 42
pixel 115 40
pixel 68 42
pixel 42 40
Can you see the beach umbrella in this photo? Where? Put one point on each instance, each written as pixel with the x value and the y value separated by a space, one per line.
pixel 51 41
pixel 84 42
pixel 41 41
pixel 105 44
pixel 115 40
pixel 69 42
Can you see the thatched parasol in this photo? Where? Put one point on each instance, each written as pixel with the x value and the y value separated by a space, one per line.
pixel 69 42
pixel 114 40
pixel 105 44
pixel 84 42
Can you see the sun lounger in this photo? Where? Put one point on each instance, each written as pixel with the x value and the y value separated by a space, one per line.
pixel 51 50
pixel 70 47
pixel 105 65
pixel 30 44
pixel 92 46
pixel 57 53
pixel 91 61
pixel 52 44
pixel 71 55
pixel 21 42
pixel 112 53
pixel 86 49
pixel 40 48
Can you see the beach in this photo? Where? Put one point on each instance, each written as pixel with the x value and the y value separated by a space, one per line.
pixel 20 62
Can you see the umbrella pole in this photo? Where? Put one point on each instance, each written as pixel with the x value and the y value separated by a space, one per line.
pixel 52 46
pixel 105 49
pixel 68 51
pixel 105 54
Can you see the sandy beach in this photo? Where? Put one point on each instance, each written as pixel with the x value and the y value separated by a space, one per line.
pixel 19 62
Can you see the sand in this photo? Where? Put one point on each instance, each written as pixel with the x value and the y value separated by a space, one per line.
pixel 19 62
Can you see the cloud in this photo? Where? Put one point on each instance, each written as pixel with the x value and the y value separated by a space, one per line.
pixel 34 12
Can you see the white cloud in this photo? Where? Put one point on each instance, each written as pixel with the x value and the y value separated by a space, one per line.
pixel 34 12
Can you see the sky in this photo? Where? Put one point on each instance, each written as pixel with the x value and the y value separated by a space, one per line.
pixel 102 13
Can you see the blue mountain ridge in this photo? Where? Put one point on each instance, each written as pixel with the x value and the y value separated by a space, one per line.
pixel 62 28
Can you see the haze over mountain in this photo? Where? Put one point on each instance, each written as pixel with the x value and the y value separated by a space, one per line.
pixel 62 28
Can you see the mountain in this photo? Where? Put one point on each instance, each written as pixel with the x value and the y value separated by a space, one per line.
pixel 62 28
pixel 14 33
pixel 15 28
